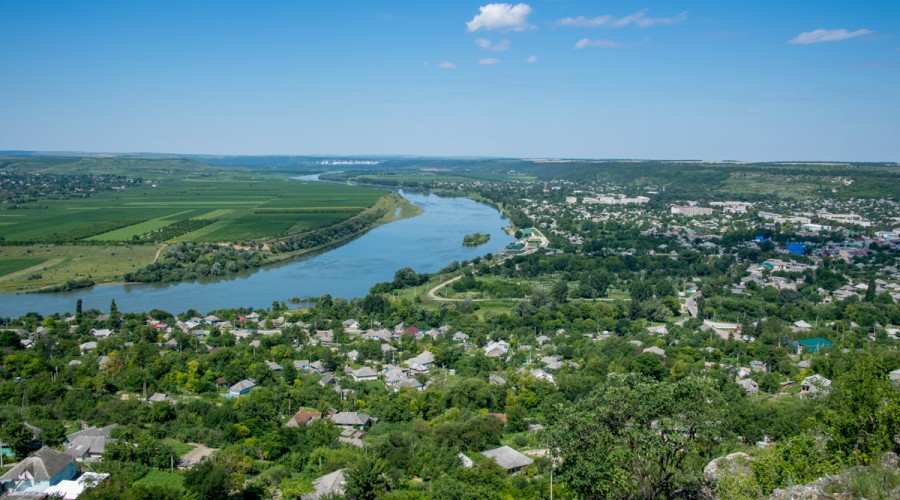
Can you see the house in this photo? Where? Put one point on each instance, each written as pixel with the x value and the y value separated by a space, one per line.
pixel 363 374
pixel 37 473
pixel 351 325
pixel 87 347
pixel 159 397
pixel 89 444
pixel 496 349
pixel 812 345
pixel 350 419
pixel 895 377
pixel 542 375
pixel 655 350
pixel 749 385
pixel 496 379
pixel 758 366
pixel 543 339
pixel 306 365
pixel 801 326
pixel 275 367
pixel 240 388
pixel 70 490
pixel 461 337
pixel 324 337
pixel 303 418
pixel 508 458
pixel 409 383
pixel 393 375
pixel 552 362
pixel 101 333
pixel 353 355
pixel 327 378
pixel 327 486
pixel 815 384
pixel 464 459
pixel 426 359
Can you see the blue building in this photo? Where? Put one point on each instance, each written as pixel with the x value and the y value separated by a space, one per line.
pixel 38 472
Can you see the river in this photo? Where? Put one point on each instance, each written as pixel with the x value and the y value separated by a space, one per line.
pixel 426 243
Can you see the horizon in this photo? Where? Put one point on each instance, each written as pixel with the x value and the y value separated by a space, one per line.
pixel 561 159
pixel 538 79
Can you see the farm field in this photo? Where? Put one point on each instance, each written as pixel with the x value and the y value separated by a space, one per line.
pixel 233 208
pixel 16 265
pixel 58 263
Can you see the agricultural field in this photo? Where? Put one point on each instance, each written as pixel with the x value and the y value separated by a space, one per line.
pixel 233 208
pixel 51 265
pixel 17 265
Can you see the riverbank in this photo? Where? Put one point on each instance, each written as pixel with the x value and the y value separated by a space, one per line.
pixel 52 266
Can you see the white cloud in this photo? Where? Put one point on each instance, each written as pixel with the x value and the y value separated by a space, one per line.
pixel 600 43
pixel 486 44
pixel 447 65
pixel 639 19
pixel 531 59
pixel 501 16
pixel 819 36
pixel 488 60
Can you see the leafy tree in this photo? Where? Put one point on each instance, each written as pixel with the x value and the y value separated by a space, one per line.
pixel 365 479
pixel 863 411
pixel 560 291
pixel 209 481
pixel 634 436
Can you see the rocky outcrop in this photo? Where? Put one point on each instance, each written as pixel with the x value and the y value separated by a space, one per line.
pixel 831 487
pixel 735 463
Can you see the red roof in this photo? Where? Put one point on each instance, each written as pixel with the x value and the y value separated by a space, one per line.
pixel 413 330
pixel 303 417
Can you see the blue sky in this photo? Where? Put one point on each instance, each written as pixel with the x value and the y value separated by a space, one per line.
pixel 762 80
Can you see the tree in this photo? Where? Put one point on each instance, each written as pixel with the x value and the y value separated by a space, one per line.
pixel 870 291
pixel 560 291
pixel 113 314
pixel 78 311
pixel 209 481
pixel 365 479
pixel 632 436
pixel 863 411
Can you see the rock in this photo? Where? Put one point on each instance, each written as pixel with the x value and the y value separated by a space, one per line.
pixel 735 463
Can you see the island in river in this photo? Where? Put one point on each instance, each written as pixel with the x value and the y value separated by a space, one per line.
pixel 476 239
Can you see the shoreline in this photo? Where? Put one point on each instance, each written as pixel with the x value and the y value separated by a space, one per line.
pixel 397 210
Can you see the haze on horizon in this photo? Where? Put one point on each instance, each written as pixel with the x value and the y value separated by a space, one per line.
pixel 804 80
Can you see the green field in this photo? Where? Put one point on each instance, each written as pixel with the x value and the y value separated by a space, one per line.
pixel 102 263
pixel 159 478
pixel 16 265
pixel 241 208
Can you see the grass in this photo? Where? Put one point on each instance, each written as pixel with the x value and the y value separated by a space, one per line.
pixel 102 263
pixel 16 265
pixel 246 207
pixel 181 449
pixel 162 479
